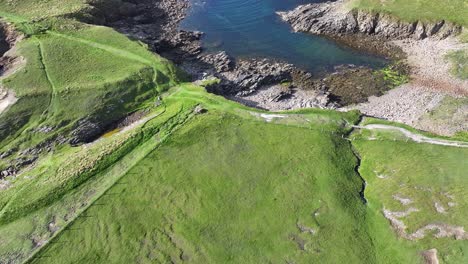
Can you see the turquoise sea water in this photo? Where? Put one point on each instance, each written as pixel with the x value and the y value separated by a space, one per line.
pixel 251 28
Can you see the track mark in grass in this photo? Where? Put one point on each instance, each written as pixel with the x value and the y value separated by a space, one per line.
pixel 115 51
pixel 415 137
pixel 53 94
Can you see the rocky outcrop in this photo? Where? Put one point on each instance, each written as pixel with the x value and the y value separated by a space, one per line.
pixel 333 18
pixel 286 97
pixel 85 131
pixel 248 75
pixel 156 22
pixel 4 45
pixel 8 37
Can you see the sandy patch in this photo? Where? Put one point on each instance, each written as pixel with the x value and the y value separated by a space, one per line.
pixel 440 208
pixel 405 104
pixel 7 98
pixel 430 68
pixel 430 256
pixel 431 81
pixel 402 200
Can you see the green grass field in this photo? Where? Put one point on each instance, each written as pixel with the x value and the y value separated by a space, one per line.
pixel 233 185
pixel 74 72
pixel 455 11
pixel 227 184
pixel 430 180
pixel 184 191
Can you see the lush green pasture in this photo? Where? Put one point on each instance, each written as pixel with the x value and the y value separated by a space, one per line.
pixel 426 10
pixel 34 9
pixel 91 73
pixel 223 183
pixel 66 182
pixel 225 188
pixel 433 179
pixel 237 185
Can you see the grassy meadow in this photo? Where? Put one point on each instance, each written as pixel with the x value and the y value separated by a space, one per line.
pixel 426 180
pixel 201 179
pixel 233 185
pixel 73 72
pixel 455 11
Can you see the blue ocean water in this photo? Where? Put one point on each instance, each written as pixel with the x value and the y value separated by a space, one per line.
pixel 251 28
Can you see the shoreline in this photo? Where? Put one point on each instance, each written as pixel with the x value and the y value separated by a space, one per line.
pixel 430 86
pixel 273 85
pixel 424 46
pixel 240 77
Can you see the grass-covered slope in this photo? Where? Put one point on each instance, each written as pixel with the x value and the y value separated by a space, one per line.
pixel 230 169
pixel 230 184
pixel 75 80
pixel 198 178
pixel 225 188
pixel 455 11
pixel 420 190
pixel 36 9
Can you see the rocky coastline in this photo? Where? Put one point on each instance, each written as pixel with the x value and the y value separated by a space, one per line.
pixel 156 23
pixel 260 82
pixel 421 45
pixel 334 19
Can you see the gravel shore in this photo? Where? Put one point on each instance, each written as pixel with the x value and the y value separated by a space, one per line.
pixel 430 83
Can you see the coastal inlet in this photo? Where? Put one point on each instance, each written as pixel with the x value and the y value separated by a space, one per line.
pixel 251 28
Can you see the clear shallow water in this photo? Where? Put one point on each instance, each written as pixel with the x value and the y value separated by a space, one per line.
pixel 250 28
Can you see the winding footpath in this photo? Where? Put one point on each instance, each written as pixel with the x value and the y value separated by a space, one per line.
pixel 416 137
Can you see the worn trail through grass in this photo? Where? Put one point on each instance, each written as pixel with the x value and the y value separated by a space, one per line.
pixel 53 94
pixel 118 52
pixel 415 137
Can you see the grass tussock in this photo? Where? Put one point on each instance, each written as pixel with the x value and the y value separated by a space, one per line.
pixel 459 62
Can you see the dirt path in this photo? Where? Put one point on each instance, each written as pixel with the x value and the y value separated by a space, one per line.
pixel 416 137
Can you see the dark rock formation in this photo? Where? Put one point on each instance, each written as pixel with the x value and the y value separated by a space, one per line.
pixel 246 76
pixel 155 22
pixel 8 37
pixel 85 130
pixel 332 19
